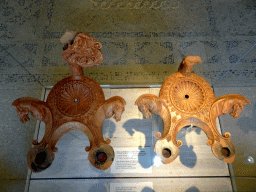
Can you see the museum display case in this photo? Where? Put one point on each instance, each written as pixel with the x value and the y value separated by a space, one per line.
pixel 143 43
pixel 186 104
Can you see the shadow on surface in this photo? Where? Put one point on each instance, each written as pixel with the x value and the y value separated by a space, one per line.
pixel 108 129
pixel 142 126
pixel 147 189
pixel 187 155
pixel 192 189
pixel 247 124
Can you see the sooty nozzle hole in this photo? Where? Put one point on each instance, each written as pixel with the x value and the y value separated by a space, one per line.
pixel 40 158
pixel 166 153
pixel 101 156
pixel 225 152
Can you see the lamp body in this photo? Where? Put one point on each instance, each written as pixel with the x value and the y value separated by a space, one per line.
pixel 184 99
pixel 74 103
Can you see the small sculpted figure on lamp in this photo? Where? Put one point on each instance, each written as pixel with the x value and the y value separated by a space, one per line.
pixel 74 103
pixel 186 98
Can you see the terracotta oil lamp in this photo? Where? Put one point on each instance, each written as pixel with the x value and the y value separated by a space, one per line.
pixel 184 99
pixel 74 103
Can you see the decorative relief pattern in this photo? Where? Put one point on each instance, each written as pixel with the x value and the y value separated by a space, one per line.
pixel 154 53
pixel 32 48
pixel 188 96
pixel 75 98
pixel 197 105
pixel 241 18
pixel 84 51
pixel 135 4
pixel 116 53
pixel 75 102
pixel 22 16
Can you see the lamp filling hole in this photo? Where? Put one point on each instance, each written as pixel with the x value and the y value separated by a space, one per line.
pixel 40 158
pixel 166 153
pixel 225 152
pixel 75 100
pixel 186 96
pixel 101 156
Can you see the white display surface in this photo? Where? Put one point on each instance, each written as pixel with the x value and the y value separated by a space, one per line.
pixel 133 136
pixel 216 184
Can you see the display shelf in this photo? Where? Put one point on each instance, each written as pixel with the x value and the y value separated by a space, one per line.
pixel 195 163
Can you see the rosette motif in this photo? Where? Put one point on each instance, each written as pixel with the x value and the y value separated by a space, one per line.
pixel 188 96
pixel 74 99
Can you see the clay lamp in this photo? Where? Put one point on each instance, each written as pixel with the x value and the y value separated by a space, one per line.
pixel 74 103
pixel 184 99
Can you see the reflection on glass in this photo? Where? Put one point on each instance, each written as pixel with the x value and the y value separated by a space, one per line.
pixel 157 161
pixel 250 160
pixel 130 154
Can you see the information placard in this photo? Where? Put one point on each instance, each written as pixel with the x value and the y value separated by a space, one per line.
pixel 131 187
pixel 132 160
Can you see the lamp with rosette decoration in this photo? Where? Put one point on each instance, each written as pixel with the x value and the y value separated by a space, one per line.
pixel 184 99
pixel 74 103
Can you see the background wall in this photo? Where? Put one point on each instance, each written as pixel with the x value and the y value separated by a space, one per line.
pixel 143 43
